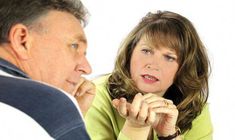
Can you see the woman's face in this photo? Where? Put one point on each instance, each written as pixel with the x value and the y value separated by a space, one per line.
pixel 153 68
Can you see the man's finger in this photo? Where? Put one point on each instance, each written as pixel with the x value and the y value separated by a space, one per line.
pixel 80 81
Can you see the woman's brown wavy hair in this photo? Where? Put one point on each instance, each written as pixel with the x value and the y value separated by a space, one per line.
pixel 190 88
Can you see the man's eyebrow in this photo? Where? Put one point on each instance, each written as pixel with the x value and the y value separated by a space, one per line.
pixel 81 38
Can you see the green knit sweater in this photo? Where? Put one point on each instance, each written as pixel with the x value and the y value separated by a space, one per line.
pixel 104 123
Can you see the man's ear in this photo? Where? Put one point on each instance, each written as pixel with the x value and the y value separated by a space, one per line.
pixel 20 41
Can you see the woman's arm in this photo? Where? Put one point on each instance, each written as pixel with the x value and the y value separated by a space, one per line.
pixel 202 128
pixel 138 117
pixel 99 119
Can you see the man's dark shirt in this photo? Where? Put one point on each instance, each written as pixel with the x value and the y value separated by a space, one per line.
pixel 49 107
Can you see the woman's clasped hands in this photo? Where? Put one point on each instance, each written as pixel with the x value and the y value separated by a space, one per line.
pixel 145 112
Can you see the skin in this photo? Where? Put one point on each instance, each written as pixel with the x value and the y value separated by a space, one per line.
pixel 53 50
pixel 153 70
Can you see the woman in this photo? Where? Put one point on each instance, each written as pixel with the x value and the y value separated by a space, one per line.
pixel 158 87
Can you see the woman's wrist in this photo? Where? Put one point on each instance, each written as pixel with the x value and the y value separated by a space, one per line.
pixel 170 136
pixel 135 132
pixel 165 131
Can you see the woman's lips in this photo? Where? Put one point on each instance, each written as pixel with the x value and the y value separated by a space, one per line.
pixel 149 78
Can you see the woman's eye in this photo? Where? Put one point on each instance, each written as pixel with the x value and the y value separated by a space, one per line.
pixel 169 58
pixel 147 51
pixel 74 45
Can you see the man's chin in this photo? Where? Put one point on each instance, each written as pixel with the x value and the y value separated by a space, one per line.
pixel 69 87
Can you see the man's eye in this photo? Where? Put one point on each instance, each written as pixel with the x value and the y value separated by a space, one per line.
pixel 74 45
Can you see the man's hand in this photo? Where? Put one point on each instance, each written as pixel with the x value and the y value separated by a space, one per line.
pixel 84 94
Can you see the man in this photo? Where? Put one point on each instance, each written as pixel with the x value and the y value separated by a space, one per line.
pixel 42 58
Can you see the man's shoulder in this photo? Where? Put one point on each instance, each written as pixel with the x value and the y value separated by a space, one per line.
pixel 50 107
pixel 21 88
pixel 23 84
pixel 15 124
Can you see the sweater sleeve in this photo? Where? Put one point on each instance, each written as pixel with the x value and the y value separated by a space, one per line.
pixel 121 136
pixel 201 127
pixel 101 121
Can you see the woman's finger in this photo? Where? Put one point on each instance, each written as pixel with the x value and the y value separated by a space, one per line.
pixel 115 103
pixel 135 105
pixel 151 117
pixel 161 103
pixel 122 107
pixel 171 110
pixel 143 113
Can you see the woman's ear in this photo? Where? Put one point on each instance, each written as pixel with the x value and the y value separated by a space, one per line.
pixel 19 38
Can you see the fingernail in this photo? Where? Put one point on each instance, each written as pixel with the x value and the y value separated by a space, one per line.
pixel 77 94
pixel 123 99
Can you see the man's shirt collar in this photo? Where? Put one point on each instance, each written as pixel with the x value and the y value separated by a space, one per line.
pixel 11 69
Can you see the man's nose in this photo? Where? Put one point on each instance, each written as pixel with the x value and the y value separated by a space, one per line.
pixel 84 66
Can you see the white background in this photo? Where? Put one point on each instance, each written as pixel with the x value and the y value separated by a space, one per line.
pixel 111 20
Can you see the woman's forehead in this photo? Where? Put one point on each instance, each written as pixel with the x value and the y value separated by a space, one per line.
pixel 158 41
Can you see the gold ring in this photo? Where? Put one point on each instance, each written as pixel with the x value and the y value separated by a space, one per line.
pixel 166 103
